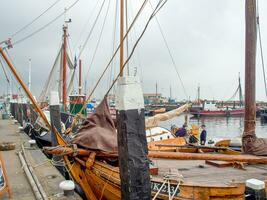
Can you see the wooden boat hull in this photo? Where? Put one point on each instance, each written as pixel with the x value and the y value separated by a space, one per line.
pixel 100 180
pixel 108 187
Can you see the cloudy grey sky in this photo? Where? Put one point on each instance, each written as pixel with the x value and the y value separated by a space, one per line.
pixel 206 38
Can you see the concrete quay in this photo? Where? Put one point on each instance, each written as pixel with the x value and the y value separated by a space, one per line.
pixel 48 176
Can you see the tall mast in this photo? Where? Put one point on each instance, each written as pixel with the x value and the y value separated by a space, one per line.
pixel 80 76
pixel 121 36
pixel 250 59
pixel 64 81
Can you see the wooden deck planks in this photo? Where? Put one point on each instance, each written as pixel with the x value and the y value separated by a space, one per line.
pixel 208 174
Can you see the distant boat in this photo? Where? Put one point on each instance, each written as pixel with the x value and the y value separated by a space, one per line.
pixel 210 109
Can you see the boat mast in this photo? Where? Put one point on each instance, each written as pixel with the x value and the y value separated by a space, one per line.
pixel 198 95
pixel 64 78
pixel 250 59
pixel 121 37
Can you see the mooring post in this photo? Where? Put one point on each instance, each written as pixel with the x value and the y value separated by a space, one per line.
pixel 55 119
pixel 132 143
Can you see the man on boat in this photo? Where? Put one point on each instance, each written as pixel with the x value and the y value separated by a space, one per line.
pixel 203 135
pixel 181 132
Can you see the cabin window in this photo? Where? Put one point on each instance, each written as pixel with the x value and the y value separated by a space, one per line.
pixel 160 138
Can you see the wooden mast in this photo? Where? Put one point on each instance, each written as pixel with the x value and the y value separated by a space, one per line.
pixel 25 88
pixel 250 60
pixel 64 78
pixel 121 36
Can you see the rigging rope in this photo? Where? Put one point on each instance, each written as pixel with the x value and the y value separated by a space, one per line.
pixel 113 44
pixel 35 19
pixel 235 93
pixel 46 25
pixel 85 25
pixel 99 39
pixel 107 66
pixel 170 54
pixel 7 79
pixel 261 49
pixel 90 32
pixel 155 11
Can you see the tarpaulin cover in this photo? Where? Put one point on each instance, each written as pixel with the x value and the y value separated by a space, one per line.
pixel 254 145
pixel 98 131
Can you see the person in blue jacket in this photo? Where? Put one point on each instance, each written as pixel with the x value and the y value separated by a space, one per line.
pixel 203 135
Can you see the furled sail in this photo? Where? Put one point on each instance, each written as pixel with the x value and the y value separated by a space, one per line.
pixel 153 121
pixel 55 78
pixel 49 81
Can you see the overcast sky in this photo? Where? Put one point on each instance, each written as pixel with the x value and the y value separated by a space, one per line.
pixel 205 37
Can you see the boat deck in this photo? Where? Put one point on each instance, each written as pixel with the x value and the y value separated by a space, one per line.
pixel 197 172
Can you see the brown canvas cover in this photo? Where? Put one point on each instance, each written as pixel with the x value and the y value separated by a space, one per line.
pixel 98 131
pixel 254 145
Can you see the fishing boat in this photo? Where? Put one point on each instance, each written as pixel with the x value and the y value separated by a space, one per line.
pixel 213 109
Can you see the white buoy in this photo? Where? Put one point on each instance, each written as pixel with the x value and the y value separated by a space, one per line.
pixel 68 187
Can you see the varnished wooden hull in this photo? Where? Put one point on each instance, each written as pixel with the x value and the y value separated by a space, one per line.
pixel 101 181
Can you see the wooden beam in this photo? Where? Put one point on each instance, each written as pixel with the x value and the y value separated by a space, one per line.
pixel 206 156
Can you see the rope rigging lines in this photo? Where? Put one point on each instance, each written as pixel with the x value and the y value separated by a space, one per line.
pixel 91 30
pixel 160 4
pixel 35 19
pixel 99 39
pixel 46 25
pixel 170 54
pixel 261 49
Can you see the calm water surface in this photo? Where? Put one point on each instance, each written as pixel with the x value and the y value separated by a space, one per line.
pixel 219 127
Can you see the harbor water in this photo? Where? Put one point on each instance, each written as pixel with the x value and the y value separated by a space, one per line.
pixel 218 127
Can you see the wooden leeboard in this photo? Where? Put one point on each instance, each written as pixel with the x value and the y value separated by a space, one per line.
pixel 4 185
